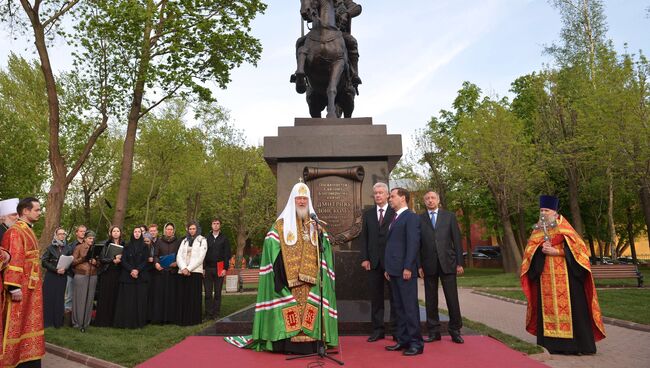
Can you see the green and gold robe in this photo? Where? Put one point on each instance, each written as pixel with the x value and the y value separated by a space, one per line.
pixel 289 309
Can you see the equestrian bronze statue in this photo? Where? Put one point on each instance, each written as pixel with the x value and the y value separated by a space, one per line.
pixel 327 57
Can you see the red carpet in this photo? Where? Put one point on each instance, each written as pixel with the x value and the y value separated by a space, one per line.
pixel 478 351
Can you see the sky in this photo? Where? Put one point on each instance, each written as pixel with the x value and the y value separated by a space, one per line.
pixel 414 57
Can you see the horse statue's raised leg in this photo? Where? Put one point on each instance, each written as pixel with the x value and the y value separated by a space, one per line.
pixel 301 57
pixel 332 89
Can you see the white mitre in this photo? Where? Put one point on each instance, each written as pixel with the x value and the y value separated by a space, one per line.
pixel 290 231
pixel 8 206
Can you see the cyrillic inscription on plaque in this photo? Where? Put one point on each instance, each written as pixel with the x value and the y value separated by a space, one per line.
pixel 334 202
pixel 337 200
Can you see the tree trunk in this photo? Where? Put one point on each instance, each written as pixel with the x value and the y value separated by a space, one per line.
pixel 514 219
pixel 121 201
pixel 630 234
pixel 149 198
pixel 87 196
pixel 601 250
pixel 644 194
pixel 510 256
pixel 522 230
pixel 61 179
pixel 591 245
pixel 574 204
pixel 467 224
pixel 610 214
pixel 188 209
pixel 192 207
pixel 242 229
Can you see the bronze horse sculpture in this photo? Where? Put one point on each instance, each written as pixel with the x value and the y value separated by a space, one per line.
pixel 323 70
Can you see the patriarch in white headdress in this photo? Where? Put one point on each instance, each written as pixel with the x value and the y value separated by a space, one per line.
pixel 299 206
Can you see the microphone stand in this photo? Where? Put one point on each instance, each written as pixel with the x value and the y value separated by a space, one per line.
pixel 321 346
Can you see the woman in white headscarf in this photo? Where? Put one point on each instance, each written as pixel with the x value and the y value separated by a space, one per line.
pixel 190 269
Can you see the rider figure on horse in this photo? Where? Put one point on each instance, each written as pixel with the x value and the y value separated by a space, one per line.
pixel 345 11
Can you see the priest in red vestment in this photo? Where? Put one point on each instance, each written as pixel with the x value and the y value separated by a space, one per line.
pixel 563 310
pixel 24 342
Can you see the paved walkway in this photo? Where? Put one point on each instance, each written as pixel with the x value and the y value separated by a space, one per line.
pixel 55 361
pixel 622 348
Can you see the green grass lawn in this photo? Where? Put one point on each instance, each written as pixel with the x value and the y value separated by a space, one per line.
pixel 496 278
pixel 487 277
pixel 627 304
pixel 131 347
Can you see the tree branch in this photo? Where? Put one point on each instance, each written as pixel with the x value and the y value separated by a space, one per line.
pixel 64 9
pixel 86 151
pixel 169 95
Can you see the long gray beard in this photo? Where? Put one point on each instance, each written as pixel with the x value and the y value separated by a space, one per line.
pixel 302 213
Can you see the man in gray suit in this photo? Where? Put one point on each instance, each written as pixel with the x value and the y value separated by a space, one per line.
pixel 441 257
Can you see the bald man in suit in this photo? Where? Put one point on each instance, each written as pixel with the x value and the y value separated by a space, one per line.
pixel 441 258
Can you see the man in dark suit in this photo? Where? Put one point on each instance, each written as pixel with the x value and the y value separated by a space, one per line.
pixel 402 248
pixel 218 251
pixel 373 247
pixel 441 257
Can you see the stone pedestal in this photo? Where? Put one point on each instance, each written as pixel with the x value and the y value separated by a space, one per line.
pixel 340 160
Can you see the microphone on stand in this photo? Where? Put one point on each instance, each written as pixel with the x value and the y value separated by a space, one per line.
pixel 316 219
pixel 319 229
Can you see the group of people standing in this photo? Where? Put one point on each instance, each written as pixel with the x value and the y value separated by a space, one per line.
pixel 149 279
pixel 398 245
pixel 132 282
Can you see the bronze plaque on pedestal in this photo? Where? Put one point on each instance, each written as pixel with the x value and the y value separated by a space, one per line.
pixel 337 200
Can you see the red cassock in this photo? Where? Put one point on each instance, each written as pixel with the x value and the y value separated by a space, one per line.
pixel 23 338
pixel 556 318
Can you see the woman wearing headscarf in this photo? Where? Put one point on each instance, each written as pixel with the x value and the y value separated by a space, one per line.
pixel 55 279
pixel 150 246
pixel 190 269
pixel 131 310
pixel 109 280
pixel 162 306
pixel 84 282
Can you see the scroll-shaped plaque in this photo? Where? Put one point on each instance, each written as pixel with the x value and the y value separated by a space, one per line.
pixel 337 200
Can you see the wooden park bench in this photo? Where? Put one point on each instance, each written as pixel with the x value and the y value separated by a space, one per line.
pixel 617 271
pixel 249 276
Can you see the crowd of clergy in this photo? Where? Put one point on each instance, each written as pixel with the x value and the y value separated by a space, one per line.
pixel 152 279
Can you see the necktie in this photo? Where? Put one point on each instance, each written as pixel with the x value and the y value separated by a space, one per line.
pixel 381 216
pixel 392 222
pixel 433 219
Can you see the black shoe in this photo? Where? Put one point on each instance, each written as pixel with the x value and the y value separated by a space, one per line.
pixel 375 336
pixel 455 337
pixel 395 347
pixel 433 337
pixel 413 351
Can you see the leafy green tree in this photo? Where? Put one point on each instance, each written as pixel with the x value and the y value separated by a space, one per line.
pixel 244 196
pixel 583 38
pixel 23 123
pixel 43 20
pixel 494 152
pixel 161 50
